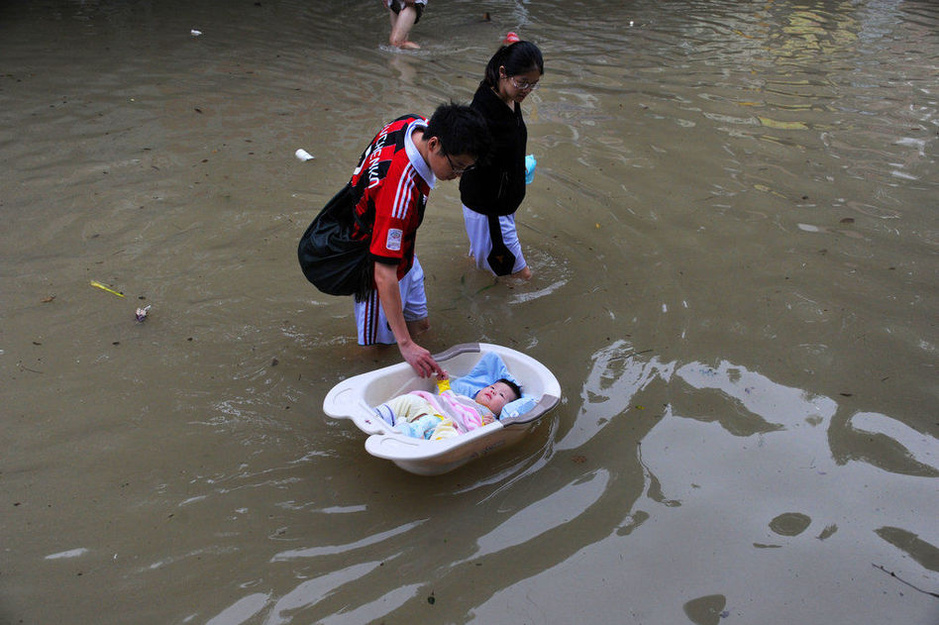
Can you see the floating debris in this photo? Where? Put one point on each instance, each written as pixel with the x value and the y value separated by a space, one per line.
pixel 98 285
pixel 142 313
pixel 303 155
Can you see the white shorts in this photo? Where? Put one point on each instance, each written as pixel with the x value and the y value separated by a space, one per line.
pixel 370 317
pixel 494 242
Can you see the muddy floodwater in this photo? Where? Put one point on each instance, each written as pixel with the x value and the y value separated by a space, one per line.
pixel 734 238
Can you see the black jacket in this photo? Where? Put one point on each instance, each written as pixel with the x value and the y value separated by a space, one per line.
pixel 497 186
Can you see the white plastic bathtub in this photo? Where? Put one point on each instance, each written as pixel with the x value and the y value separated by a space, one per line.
pixel 355 398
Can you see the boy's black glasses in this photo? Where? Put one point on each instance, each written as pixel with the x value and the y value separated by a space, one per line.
pixel 454 167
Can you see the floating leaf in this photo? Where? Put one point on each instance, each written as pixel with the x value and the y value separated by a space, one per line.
pixel 773 123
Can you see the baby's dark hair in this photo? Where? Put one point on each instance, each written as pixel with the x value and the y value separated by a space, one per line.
pixel 461 130
pixel 517 58
pixel 512 385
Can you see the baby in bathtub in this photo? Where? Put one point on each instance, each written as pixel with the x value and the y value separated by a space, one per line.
pixel 447 414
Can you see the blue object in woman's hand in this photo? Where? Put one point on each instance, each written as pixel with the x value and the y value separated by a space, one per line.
pixel 530 164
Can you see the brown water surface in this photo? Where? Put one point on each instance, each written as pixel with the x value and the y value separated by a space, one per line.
pixel 734 239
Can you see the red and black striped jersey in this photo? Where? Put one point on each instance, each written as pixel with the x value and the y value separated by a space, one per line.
pixel 390 179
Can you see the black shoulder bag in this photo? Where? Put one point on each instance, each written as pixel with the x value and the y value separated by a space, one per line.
pixel 331 259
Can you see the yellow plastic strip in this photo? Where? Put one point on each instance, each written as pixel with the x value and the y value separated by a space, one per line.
pixel 97 284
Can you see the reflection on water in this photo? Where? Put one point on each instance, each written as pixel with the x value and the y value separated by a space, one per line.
pixel 737 491
pixel 549 513
pixel 733 235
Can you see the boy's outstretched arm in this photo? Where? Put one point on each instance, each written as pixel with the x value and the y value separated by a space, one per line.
pixel 386 280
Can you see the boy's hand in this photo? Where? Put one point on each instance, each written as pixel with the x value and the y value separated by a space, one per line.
pixel 420 360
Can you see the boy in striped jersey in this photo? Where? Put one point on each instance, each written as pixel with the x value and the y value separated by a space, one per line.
pixel 394 176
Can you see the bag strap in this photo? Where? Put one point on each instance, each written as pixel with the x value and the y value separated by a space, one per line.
pixel 355 194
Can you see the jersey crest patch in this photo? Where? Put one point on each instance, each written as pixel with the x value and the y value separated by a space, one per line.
pixel 393 240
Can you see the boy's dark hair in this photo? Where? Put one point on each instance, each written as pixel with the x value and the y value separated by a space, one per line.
pixel 517 58
pixel 512 385
pixel 461 130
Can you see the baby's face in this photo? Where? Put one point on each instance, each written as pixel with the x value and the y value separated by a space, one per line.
pixel 495 397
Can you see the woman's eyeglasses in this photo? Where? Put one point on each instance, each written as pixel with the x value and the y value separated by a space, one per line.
pixel 524 84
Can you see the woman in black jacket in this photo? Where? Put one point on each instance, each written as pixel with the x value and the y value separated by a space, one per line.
pixel 492 191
